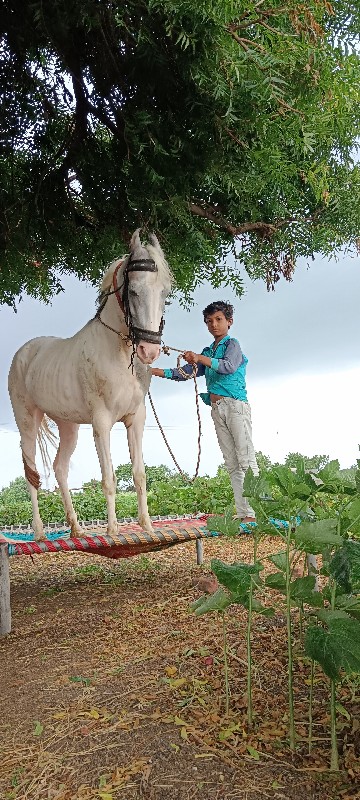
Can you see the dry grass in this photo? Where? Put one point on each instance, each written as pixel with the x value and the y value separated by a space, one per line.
pixel 112 689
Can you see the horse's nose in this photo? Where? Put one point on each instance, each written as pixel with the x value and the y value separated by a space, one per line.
pixel 148 352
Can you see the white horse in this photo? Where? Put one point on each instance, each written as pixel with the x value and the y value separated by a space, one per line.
pixel 98 376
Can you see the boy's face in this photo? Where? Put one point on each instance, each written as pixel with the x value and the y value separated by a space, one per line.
pixel 218 325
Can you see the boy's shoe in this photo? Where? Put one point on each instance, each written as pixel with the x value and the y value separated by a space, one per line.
pixel 247 520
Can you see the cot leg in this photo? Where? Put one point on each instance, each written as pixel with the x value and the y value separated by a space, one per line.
pixel 5 611
pixel 199 552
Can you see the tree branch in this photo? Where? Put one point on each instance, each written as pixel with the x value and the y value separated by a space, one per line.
pixel 234 230
pixel 267 229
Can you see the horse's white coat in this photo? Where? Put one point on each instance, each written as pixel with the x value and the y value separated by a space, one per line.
pixel 88 379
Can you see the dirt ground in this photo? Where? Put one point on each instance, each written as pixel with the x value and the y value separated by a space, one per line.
pixel 111 688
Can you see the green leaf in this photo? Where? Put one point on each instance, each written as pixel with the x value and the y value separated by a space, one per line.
pixel 345 566
pixel 348 479
pixel 346 633
pixel 253 753
pixel 330 477
pixel 236 577
pixel 315 537
pixel 276 581
pixel 283 478
pixel 335 648
pixel 302 590
pixel 265 611
pixel 349 604
pixel 218 601
pixel 279 559
pixel 342 710
pixel 302 490
pixel 38 729
pixel 80 679
pixel 256 486
pixel 320 646
pixel 330 471
pixel 353 510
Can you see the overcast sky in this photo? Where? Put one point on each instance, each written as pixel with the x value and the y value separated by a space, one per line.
pixel 303 346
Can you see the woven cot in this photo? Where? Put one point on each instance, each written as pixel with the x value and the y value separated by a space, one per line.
pixel 130 540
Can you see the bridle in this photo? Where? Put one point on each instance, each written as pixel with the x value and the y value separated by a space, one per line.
pixel 135 334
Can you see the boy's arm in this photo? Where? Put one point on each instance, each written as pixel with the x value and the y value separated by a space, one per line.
pixel 225 366
pixel 175 375
pixel 158 372
pixel 233 357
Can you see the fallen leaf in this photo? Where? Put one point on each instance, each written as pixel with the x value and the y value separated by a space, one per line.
pixel 253 753
pixel 38 729
pixel 179 721
pixel 170 671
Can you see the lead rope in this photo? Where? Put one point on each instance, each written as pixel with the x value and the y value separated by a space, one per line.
pixel 166 349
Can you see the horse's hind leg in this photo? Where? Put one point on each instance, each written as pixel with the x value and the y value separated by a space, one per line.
pixel 68 433
pixel 29 423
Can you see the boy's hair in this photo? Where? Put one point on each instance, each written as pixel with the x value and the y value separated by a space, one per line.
pixel 226 308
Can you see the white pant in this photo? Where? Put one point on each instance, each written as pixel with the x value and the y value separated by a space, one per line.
pixel 232 420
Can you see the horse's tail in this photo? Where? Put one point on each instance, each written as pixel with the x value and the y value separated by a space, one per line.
pixel 46 436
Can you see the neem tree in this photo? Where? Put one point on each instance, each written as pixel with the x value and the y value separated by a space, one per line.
pixel 223 125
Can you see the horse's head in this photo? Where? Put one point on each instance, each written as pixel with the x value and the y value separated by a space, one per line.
pixel 147 283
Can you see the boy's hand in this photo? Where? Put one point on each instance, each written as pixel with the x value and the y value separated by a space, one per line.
pixel 190 357
pixel 158 372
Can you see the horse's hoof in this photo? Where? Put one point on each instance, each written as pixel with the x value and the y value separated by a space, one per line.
pixel 75 533
pixel 113 531
pixel 146 525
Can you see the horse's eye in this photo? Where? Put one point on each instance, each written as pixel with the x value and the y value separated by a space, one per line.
pixel 133 293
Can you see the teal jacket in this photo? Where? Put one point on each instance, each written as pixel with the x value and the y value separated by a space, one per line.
pixel 227 374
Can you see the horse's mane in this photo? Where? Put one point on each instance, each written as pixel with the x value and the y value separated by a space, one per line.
pixel 161 263
pixel 164 270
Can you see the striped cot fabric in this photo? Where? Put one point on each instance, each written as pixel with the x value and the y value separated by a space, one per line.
pixel 130 540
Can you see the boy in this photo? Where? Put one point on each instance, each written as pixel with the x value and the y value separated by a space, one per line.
pixel 224 367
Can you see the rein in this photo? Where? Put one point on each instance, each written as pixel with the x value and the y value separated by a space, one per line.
pixel 166 349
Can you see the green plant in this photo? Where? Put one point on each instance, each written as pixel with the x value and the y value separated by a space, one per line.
pixel 335 642
pixel 240 582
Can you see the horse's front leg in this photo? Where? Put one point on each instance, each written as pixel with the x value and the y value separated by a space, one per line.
pixel 101 430
pixel 135 435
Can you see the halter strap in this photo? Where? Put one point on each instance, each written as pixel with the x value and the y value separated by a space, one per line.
pixel 137 265
pixel 142 265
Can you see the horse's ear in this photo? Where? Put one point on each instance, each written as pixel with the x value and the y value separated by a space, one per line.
pixel 135 240
pixel 155 243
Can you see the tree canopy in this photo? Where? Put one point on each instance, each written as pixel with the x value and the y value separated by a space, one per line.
pixel 225 126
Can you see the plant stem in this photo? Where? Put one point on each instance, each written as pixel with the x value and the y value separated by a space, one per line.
pixel 248 649
pixel 334 745
pixel 301 610
pixel 289 640
pixel 226 666
pixel 311 703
